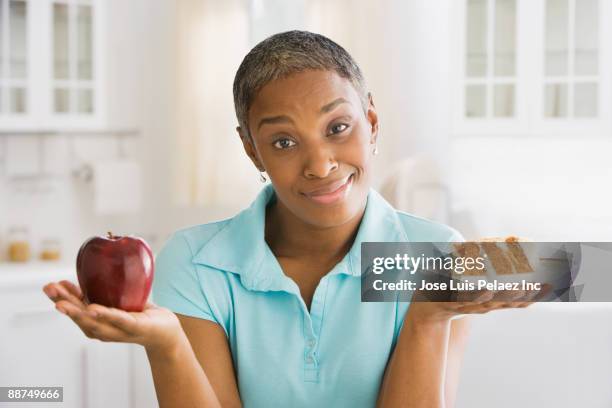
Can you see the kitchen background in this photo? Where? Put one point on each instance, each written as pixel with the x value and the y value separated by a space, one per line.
pixel 496 118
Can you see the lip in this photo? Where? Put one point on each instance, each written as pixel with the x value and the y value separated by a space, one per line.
pixel 332 192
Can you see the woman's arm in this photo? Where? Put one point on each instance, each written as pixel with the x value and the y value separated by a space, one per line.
pixel 197 373
pixel 179 379
pixel 415 373
pixel 459 332
pixel 178 372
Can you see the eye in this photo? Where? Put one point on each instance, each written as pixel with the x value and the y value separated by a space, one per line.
pixel 283 143
pixel 338 128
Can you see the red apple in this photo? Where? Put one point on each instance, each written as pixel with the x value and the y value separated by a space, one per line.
pixel 116 271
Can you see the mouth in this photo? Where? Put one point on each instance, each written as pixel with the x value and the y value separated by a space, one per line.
pixel 333 193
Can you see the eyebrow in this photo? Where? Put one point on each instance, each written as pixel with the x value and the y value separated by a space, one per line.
pixel 274 119
pixel 286 119
pixel 333 104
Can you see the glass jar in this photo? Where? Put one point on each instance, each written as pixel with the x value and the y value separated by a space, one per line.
pixel 18 244
pixel 50 249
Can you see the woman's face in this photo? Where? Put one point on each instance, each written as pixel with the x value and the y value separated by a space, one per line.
pixel 311 135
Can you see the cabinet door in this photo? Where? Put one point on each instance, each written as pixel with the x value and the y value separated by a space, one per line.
pixel 107 374
pixel 51 65
pixel 16 69
pixel 40 347
pixel 76 69
pixel 532 67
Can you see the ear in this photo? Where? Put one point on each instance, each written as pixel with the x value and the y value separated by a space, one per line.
pixel 249 148
pixel 372 117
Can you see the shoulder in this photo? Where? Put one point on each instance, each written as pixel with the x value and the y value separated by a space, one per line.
pixel 187 241
pixel 177 258
pixel 186 288
pixel 421 229
pixel 174 263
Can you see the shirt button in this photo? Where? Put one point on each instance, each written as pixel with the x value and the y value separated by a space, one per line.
pixel 309 360
pixel 311 343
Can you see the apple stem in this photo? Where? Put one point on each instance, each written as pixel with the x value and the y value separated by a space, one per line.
pixel 110 235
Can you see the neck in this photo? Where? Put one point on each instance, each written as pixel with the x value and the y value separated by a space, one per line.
pixel 289 236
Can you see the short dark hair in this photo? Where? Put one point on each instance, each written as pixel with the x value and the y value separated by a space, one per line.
pixel 287 53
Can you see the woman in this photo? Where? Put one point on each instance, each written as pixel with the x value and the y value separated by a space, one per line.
pixel 264 309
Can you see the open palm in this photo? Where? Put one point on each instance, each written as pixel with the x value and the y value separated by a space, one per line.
pixel 475 302
pixel 153 327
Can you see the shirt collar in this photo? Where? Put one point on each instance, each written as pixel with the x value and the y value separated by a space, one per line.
pixel 240 246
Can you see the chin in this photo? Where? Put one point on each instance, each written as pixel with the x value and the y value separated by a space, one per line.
pixel 327 216
pixel 333 218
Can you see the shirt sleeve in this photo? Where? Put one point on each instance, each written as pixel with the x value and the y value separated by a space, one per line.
pixel 176 284
pixel 456 236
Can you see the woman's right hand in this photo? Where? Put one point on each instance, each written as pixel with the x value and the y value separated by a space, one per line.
pixel 155 328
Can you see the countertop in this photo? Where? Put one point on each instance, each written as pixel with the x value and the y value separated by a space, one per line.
pixel 34 273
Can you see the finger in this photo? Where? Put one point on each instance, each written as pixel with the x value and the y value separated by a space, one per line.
pixel 474 296
pixel 50 291
pixel 65 294
pixel 68 308
pixel 487 307
pixel 509 305
pixel 72 288
pixel 77 315
pixel 94 329
pixel 531 297
pixel 495 304
pixel 467 305
pixel 506 296
pixel 506 305
pixel 473 309
pixel 54 292
pixel 116 317
pixel 106 332
pixel 485 296
pixel 482 310
pixel 525 300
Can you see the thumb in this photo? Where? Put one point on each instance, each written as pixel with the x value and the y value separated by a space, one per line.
pixel 151 305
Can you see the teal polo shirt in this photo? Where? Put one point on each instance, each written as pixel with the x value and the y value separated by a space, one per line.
pixel 284 355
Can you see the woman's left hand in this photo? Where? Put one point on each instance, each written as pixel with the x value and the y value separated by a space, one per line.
pixel 473 302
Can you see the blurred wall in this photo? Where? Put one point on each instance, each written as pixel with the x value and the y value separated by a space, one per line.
pixel 497 183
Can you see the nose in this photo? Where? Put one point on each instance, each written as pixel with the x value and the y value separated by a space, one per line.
pixel 320 162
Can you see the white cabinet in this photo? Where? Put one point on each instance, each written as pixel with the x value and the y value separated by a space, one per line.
pixel 532 67
pixel 15 60
pixel 51 64
pixel 41 347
